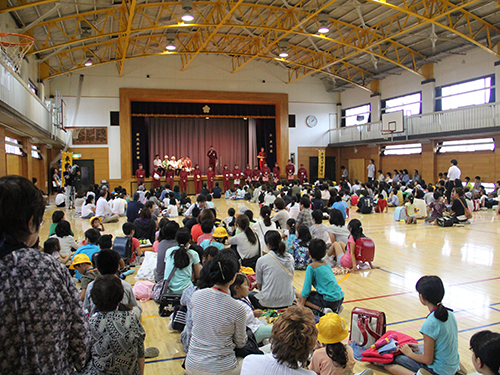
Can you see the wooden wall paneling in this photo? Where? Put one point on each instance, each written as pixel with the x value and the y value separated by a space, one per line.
pixel 14 164
pixel 43 181
pixel 479 163
pixel 409 162
pixel 3 159
pixel 428 162
pixel 100 155
pixel 304 153
pixel 27 161
pixel 357 169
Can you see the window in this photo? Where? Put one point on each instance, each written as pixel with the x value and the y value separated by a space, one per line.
pixel 356 115
pixel 411 104
pixel 35 153
pixel 406 149
pixel 475 92
pixel 32 87
pixel 12 146
pixel 470 145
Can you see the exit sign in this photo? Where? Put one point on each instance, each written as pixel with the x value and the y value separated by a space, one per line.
pixel 77 156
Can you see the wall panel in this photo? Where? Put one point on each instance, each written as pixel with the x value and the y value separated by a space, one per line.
pixel 101 160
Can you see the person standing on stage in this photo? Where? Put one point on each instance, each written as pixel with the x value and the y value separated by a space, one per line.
pixel 276 173
pixel 248 174
pixel 177 165
pixel 210 178
pixel 197 179
pixel 183 177
pixel 157 165
pixel 256 173
pixel 212 157
pixel 226 175
pixel 290 171
pixel 156 177
pixel 188 164
pixel 302 174
pixel 165 163
pixel 262 158
pixel 140 174
pixel 237 176
pixel 169 174
pixel 266 173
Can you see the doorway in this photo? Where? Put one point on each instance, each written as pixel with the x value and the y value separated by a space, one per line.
pixel 330 168
pixel 86 173
pixel 357 169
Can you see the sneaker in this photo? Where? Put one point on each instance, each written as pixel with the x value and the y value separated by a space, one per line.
pixel 326 310
pixel 151 352
pixel 423 372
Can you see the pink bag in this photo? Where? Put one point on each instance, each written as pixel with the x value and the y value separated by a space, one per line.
pixel 143 290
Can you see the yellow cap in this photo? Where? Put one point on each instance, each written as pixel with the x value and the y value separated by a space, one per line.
pixel 79 259
pixel 332 329
pixel 94 218
pixel 220 232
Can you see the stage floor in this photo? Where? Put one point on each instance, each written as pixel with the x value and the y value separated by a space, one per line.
pixel 466 258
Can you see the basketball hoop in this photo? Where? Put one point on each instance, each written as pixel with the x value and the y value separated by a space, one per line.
pixel 14 47
pixel 386 133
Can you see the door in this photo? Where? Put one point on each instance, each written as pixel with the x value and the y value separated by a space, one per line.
pixel 86 173
pixel 330 163
pixel 357 169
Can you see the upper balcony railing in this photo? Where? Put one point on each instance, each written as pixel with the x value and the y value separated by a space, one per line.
pixel 467 118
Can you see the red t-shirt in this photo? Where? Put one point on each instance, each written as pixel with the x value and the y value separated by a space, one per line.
pixel 381 204
pixel 196 232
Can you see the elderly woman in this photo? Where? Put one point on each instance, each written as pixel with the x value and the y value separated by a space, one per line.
pixel 44 329
pixel 292 341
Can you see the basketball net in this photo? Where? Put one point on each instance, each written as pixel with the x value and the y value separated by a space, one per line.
pixel 14 47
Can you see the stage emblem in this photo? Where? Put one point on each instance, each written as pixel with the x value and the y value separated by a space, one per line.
pixel 206 109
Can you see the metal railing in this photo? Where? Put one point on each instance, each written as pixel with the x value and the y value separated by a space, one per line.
pixel 467 118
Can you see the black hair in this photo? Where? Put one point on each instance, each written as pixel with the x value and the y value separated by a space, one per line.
pixel 210 250
pixel 204 281
pixel 356 229
pixel 337 218
pixel 127 228
pixel 201 198
pixel 265 212
pixel 92 235
pixel 51 245
pixel 105 241
pixel 231 211
pixel 89 200
pixel 273 241
pixel 454 161
pixel 223 267
pixel 107 292
pixel 410 198
pixel 108 262
pixel 249 213
pixel 486 345
pixel 437 195
pixel 337 353
pixel 238 281
pixel 244 223
pixel 207 226
pixel 305 201
pixel 279 203
pixel 317 216
pixel 57 216
pixel 169 231
pixel 196 211
pixel 291 223
pixel 303 234
pixel 317 249
pixel 181 257
pixel 163 221
pixel 63 229
pixel 432 290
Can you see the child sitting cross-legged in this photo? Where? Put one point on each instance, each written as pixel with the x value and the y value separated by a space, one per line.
pixel 328 296
pixel 219 237
pixel 239 291
pixel 333 357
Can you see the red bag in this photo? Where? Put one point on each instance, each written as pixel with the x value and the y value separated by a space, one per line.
pixel 372 355
pixel 367 326
pixel 365 249
pixel 252 281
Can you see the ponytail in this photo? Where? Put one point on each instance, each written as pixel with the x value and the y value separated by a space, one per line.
pixel 273 241
pixel 222 268
pixel 265 212
pixel 291 223
pixel 243 222
pixel 356 229
pixel 431 289
pixel 337 353
pixel 181 257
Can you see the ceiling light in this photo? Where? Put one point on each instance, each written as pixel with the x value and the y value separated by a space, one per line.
pixel 187 5
pixel 170 42
pixel 283 54
pixel 283 45
pixel 187 17
pixel 323 23
pixel 88 62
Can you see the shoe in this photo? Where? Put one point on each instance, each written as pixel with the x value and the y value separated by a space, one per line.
pixel 151 352
pixel 423 372
pixel 326 310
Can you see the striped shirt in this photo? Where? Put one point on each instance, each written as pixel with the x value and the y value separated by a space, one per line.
pixel 219 325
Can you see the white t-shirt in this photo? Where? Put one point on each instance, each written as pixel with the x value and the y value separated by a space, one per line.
pixel 119 206
pixel 454 172
pixel 172 210
pixel 266 364
pixel 243 246
pixel 60 198
pixel 371 170
pixel 102 208
pixel 87 209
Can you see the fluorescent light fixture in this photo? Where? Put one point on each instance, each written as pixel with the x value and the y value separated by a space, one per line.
pixel 88 62
pixel 323 22
pixel 187 17
pixel 283 54
pixel 323 30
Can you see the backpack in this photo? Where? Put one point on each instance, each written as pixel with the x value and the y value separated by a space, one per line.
pixel 123 246
pixel 445 221
pixel 365 249
pixel 399 213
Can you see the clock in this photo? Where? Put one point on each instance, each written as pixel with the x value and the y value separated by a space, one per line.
pixel 311 121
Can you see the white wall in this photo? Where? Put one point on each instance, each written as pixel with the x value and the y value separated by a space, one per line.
pixel 100 93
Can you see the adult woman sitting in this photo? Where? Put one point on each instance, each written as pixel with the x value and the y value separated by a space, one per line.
pixel 246 243
pixel 459 206
pixel 182 262
pixel 274 273
pixel 42 316
pixel 145 226
pixel 339 234
pixel 292 341
pixel 219 322
pixel 264 225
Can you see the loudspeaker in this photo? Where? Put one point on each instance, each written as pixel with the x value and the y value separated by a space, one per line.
pixel 291 121
pixel 114 118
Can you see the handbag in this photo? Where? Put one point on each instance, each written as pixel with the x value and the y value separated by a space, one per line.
pixel 367 326
pixel 467 213
pixel 251 346
pixel 179 318
pixel 446 221
pixel 168 300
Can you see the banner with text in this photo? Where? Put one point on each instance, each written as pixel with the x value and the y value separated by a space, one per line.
pixel 321 163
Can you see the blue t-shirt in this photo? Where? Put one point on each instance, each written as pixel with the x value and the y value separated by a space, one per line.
pixel 445 335
pixel 323 279
pixel 133 209
pixel 88 250
pixel 209 242
pixel 182 277
pixel 339 206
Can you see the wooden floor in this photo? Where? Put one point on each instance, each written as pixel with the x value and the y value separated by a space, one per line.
pixel 466 258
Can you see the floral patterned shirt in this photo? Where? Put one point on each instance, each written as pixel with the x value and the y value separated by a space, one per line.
pixel 300 254
pixel 43 329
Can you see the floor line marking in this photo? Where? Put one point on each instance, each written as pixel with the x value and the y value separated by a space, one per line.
pixel 151 316
pixel 165 360
pixel 392 273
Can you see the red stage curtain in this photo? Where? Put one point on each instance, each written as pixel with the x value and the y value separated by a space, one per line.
pixel 193 136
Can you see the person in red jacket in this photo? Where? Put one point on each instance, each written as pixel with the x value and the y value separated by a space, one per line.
pixel 266 173
pixel 302 174
pixel 140 174
pixel 156 177
pixel 262 158
pixel 237 176
pixel 183 176
pixel 212 157
pixel 256 173
pixel 290 171
pixel 276 173
pixel 188 164
pixel 197 179
pixel 226 175
pixel 169 174
pixel 210 178
pixel 248 174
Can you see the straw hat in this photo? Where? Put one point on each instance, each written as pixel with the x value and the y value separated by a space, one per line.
pixel 332 329
pixel 220 232
pixel 79 259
